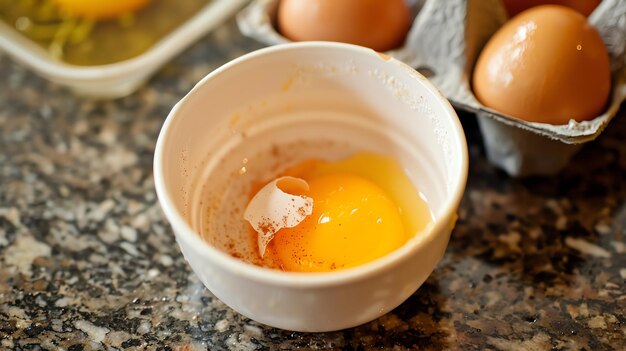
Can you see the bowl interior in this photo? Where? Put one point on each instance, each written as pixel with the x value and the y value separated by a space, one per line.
pixel 352 96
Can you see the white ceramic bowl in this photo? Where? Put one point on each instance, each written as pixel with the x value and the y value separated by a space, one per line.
pixel 287 92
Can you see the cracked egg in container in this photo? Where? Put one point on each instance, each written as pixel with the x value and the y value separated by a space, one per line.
pixel 104 48
pixel 312 186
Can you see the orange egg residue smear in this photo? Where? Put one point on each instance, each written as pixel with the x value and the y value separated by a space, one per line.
pixel 364 207
pixel 585 7
pixel 100 9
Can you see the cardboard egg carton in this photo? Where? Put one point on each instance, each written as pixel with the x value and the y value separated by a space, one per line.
pixel 444 42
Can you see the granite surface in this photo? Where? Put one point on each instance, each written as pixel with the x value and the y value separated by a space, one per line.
pixel 88 262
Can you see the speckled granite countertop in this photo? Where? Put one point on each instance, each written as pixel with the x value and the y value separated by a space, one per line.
pixel 88 262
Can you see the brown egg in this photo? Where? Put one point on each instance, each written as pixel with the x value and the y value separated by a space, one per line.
pixel 585 7
pixel 378 24
pixel 548 64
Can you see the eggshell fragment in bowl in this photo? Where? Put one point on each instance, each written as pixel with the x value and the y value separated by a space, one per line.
pixel 277 206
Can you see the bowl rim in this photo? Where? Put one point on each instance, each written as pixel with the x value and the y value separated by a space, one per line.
pixel 225 262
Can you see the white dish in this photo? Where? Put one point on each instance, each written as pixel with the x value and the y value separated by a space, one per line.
pixel 272 96
pixel 121 78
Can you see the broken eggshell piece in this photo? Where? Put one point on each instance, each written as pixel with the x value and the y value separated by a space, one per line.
pixel 277 206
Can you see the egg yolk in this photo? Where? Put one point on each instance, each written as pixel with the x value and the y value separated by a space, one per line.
pixel 99 9
pixel 353 222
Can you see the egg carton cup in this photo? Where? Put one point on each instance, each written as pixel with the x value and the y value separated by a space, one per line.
pixel 121 78
pixel 444 42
